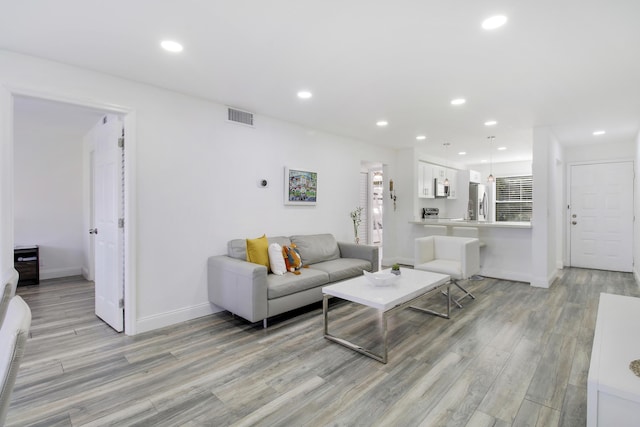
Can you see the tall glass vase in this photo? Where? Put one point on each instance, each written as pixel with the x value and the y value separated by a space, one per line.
pixel 355 232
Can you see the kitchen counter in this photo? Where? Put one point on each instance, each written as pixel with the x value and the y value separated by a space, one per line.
pixel 506 253
pixel 454 222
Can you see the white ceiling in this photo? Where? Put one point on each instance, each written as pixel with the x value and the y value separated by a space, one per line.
pixel 572 65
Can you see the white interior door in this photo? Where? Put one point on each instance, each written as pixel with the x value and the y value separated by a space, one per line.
pixel 601 216
pixel 108 236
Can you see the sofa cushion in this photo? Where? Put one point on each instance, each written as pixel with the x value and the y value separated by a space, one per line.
pixel 442 266
pixel 289 283
pixel 316 248
pixel 343 268
pixel 237 248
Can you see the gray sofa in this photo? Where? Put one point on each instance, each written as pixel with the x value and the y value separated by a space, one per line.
pixel 250 291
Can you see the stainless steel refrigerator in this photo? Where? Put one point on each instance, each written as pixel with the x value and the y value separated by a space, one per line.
pixel 479 203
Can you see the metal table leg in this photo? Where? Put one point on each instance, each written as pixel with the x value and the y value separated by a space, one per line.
pixel 385 315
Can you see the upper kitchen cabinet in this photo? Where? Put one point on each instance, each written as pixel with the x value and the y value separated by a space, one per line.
pixel 475 176
pixel 452 175
pixel 430 174
pixel 425 180
pixel 440 173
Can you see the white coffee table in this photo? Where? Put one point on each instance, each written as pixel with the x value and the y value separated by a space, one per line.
pixel 410 286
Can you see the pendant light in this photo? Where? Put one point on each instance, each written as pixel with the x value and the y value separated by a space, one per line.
pixel 490 178
pixel 446 163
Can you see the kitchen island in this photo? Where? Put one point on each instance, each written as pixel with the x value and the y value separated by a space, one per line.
pixel 455 222
pixel 506 253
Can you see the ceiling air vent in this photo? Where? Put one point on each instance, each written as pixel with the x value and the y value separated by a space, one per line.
pixel 238 116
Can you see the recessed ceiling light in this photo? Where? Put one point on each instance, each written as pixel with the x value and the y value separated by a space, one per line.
pixel 382 123
pixel 462 153
pixel 490 123
pixel 171 46
pixel 421 137
pixel 458 101
pixel 304 94
pixel 599 132
pixel 483 161
pixel 494 22
pixel 502 148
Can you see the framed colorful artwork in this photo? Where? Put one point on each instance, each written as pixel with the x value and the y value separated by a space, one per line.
pixel 300 187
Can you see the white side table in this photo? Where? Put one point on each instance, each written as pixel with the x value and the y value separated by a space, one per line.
pixel 613 390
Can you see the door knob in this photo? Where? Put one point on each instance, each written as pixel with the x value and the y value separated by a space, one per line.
pixel 574 222
pixel 93 231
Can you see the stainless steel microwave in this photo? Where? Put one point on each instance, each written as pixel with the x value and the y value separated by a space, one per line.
pixel 439 189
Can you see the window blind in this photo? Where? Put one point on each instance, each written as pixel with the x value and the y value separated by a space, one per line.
pixel 514 198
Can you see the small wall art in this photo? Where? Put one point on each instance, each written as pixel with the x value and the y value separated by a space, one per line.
pixel 300 187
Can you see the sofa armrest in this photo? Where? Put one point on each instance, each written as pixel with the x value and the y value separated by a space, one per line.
pixel 365 252
pixel 470 257
pixel 238 286
pixel 424 250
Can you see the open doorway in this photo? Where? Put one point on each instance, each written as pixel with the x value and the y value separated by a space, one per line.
pixel 371 200
pixel 53 176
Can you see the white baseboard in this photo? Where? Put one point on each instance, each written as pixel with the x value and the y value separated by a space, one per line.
pixel 169 318
pixel 539 282
pixel 515 276
pixel 54 273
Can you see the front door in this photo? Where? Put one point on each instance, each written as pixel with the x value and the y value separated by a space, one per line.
pixel 109 236
pixel 601 216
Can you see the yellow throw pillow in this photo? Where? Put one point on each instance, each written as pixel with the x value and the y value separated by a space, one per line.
pixel 258 251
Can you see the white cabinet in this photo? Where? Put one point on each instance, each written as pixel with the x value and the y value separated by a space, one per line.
pixel 474 176
pixel 452 175
pixel 442 173
pixel 439 173
pixel 428 173
pixel 613 390
pixel 425 180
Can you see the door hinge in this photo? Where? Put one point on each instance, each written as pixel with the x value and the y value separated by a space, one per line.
pixel 121 142
pixel 120 222
pixel 121 303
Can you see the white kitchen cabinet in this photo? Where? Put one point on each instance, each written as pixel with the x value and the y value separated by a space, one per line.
pixel 439 173
pixel 475 176
pixel 428 173
pixel 425 180
pixel 452 174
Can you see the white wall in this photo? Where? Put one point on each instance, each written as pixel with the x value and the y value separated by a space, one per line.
pixel 6 185
pixel 598 152
pixel 406 190
pixel 636 209
pixel 196 181
pixel 523 167
pixel 546 155
pixel 48 193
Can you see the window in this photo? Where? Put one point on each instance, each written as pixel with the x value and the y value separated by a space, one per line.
pixel 514 198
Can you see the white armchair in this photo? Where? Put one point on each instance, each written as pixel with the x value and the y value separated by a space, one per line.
pixel 459 257
pixel 13 337
pixel 7 293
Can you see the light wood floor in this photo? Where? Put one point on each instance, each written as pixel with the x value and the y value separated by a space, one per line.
pixel 515 356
